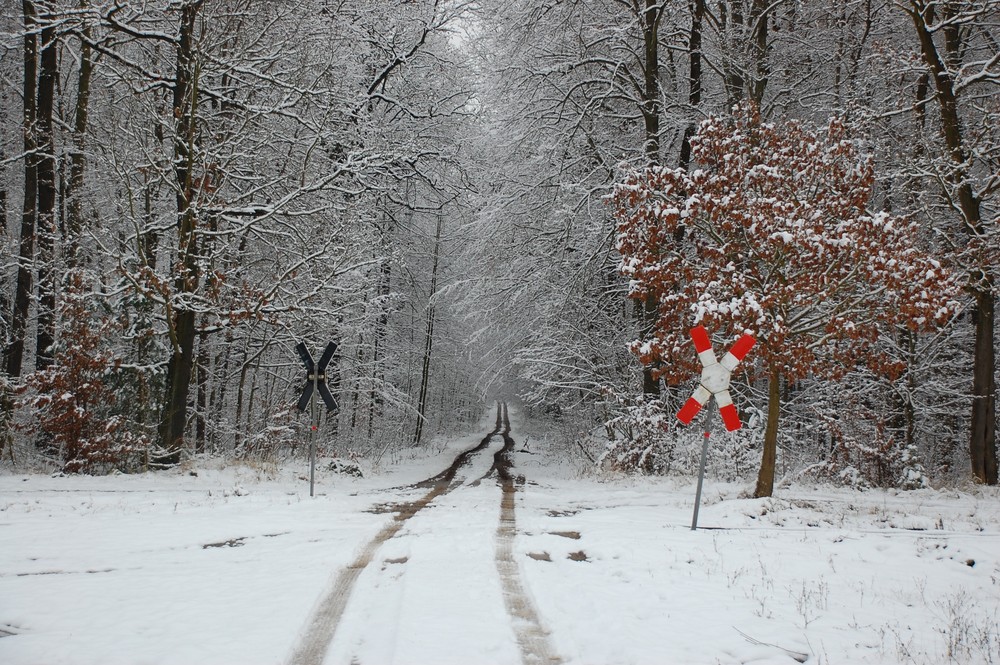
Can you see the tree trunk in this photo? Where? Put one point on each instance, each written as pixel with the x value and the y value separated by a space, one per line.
pixel 149 240
pixel 731 66
pixel 697 8
pixel 381 326
pixel 6 405
pixel 4 301
pixel 240 388
pixel 359 360
pixel 744 64
pixel 425 368
pixel 48 63
pixel 218 397
pixel 909 410
pixel 173 417
pixel 74 192
pixel 982 438
pixel 758 49
pixel 651 107
pixel 201 409
pixel 14 353
pixel 765 478
pixel 982 447
pixel 649 20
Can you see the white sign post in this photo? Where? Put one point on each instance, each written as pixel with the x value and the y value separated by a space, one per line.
pixel 715 378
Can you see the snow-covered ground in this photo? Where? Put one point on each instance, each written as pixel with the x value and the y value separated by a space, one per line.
pixel 228 566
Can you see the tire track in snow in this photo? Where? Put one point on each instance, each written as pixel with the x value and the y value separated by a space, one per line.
pixel 312 647
pixel 532 640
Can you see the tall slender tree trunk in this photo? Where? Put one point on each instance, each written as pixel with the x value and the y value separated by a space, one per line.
pixel 48 63
pixel 14 353
pixel 649 20
pixel 201 408
pixel 381 326
pixel 982 437
pixel 651 106
pixel 78 162
pixel 359 360
pixel 758 49
pixel 240 389
pixel 768 462
pixel 425 368
pixel 697 8
pixel 744 62
pixel 6 406
pixel 4 300
pixel 982 447
pixel 173 418
pixel 731 22
pixel 219 393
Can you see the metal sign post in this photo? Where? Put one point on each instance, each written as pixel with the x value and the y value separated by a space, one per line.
pixel 701 469
pixel 715 376
pixel 314 418
pixel 315 385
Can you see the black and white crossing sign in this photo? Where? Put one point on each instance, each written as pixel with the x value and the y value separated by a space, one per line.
pixel 315 384
pixel 316 376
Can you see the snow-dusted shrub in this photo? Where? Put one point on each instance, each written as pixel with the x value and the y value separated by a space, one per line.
pixel 346 466
pixel 638 438
pixel 74 402
pixel 645 436
pixel 912 474
pixel 276 440
pixel 869 457
pixel 735 455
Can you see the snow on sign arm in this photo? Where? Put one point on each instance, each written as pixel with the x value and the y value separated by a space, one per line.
pixel 715 377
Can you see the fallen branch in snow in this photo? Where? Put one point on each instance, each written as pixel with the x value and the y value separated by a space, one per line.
pixel 796 655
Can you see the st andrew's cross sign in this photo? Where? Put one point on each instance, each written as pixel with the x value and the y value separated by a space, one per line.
pixel 715 376
pixel 316 376
pixel 315 385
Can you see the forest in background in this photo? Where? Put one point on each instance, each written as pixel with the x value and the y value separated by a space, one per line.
pixel 191 187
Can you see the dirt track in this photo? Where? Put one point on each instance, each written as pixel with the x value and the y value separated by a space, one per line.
pixel 531 639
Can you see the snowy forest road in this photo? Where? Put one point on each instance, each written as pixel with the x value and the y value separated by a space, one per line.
pixel 452 580
pixel 211 566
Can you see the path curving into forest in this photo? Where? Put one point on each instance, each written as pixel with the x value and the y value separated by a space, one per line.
pixel 532 641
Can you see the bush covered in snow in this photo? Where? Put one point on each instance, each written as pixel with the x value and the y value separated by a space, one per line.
pixel 75 402
pixel 638 438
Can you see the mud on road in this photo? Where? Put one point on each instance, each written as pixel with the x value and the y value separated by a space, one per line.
pixel 532 641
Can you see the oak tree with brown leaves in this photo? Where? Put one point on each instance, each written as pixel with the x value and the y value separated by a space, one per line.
pixel 770 233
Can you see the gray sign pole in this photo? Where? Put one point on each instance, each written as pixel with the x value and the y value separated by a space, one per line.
pixel 701 469
pixel 312 434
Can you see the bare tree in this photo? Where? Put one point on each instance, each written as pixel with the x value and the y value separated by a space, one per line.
pixel 961 57
pixel 14 352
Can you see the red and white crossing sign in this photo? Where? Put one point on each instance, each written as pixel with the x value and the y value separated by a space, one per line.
pixel 715 377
